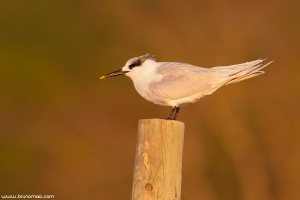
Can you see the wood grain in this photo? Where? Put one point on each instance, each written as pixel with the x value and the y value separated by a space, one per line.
pixel 158 161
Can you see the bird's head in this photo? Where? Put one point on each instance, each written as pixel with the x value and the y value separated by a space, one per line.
pixel 132 66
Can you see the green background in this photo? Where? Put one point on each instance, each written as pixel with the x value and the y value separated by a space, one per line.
pixel 65 132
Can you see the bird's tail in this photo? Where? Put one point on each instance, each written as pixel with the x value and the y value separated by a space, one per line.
pixel 235 73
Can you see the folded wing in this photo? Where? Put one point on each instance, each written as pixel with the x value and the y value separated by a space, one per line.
pixel 180 80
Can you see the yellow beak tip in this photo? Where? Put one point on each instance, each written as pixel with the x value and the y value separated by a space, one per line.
pixel 102 77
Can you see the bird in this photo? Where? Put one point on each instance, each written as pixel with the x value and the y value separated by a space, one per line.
pixel 177 84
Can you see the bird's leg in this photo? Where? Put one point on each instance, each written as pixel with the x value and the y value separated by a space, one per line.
pixel 171 114
pixel 176 113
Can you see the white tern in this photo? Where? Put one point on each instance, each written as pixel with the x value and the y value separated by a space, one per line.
pixel 177 84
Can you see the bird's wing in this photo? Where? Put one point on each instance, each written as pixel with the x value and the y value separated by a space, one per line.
pixel 181 80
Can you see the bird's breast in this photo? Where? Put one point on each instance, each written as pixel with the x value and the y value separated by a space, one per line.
pixel 142 86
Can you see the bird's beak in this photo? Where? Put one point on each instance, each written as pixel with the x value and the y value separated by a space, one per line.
pixel 115 73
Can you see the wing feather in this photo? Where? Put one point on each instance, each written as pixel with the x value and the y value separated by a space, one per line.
pixel 180 80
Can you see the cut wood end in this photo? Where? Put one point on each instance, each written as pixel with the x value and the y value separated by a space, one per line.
pixel 156 120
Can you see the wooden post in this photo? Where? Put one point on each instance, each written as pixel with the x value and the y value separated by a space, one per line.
pixel 158 160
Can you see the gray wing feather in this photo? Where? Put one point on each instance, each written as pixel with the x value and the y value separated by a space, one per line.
pixel 182 80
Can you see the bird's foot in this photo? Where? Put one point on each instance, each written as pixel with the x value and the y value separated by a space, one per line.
pixel 169 118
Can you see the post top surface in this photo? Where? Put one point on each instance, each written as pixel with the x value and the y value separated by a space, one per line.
pixel 166 121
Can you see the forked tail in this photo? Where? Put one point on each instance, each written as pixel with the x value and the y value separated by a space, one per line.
pixel 235 73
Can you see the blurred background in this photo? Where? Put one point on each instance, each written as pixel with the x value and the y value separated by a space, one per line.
pixel 65 132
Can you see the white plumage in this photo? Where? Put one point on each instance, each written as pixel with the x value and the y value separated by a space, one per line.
pixel 177 84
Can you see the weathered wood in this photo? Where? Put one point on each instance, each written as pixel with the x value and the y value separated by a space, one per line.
pixel 158 160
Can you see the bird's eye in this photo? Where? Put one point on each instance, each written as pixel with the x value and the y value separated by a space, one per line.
pixel 135 64
pixel 131 66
